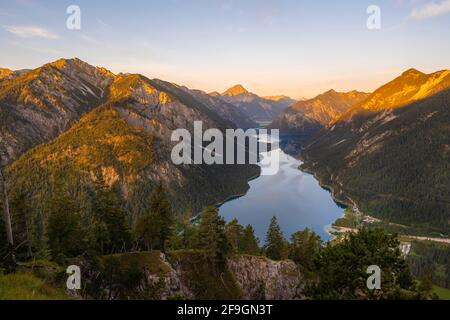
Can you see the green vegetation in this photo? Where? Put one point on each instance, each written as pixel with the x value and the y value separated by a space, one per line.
pixel 64 227
pixel 24 286
pixel 123 276
pixel 155 228
pixel 342 268
pixel 442 293
pixel 276 247
pixel 304 246
pixel 206 283
pixel 350 220
pixel 430 260
pixel 212 238
pixel 404 175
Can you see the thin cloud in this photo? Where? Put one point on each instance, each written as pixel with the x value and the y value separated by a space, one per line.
pixel 38 49
pixel 430 10
pixel 31 32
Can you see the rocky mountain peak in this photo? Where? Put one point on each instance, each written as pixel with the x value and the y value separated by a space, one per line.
pixel 214 94
pixel 412 72
pixel 235 91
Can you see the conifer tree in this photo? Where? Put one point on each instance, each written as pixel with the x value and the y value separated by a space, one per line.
pixel 234 232
pixel 162 213
pixel 304 246
pixel 22 227
pixel 7 221
pixel 64 230
pixel 107 210
pixel 276 247
pixel 250 242
pixel 212 237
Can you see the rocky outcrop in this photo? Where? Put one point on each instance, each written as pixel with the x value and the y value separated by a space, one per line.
pixel 186 275
pixel 261 278
pixel 172 284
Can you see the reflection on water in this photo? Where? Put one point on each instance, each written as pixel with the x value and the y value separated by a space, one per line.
pixel 293 196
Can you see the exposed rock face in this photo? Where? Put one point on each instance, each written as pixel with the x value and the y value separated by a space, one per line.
pixel 38 105
pixel 172 286
pixel 156 278
pixel 330 105
pixel 235 91
pixel 308 116
pixel 410 86
pixel 226 110
pixel 261 278
pixel 292 122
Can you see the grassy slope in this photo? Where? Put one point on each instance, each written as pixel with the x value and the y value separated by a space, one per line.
pixel 442 293
pixel 25 286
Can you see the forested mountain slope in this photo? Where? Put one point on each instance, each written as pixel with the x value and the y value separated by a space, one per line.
pixel 392 159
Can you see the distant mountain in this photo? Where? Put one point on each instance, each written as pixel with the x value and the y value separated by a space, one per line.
pixel 285 100
pixel 305 117
pixel 117 126
pixel 293 123
pixel 329 105
pixel 253 106
pixel 225 110
pixel 235 91
pixel 390 154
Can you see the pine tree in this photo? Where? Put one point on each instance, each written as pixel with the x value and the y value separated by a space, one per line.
pixel 276 247
pixel 64 230
pixel 154 229
pixel 342 267
pixel 234 232
pixel 10 255
pixel 22 226
pixel 162 213
pixel 147 231
pixel 304 246
pixel 250 242
pixel 212 238
pixel 107 210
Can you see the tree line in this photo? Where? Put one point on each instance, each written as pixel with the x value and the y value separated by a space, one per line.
pixel 334 270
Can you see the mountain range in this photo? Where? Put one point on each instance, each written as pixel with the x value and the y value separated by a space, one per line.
pixel 68 122
pixel 308 116
pixel 390 153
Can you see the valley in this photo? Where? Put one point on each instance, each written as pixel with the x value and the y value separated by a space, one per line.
pixel 90 158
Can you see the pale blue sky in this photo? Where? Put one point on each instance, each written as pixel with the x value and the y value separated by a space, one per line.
pixel 294 47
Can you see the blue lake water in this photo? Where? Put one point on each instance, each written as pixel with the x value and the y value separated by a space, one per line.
pixel 293 196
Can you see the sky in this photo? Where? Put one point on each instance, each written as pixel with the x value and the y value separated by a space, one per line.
pixel 298 48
